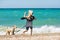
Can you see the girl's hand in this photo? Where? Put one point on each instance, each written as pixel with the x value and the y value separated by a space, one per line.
pixel 24 14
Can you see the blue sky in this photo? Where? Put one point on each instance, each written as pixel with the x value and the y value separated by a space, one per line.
pixel 29 3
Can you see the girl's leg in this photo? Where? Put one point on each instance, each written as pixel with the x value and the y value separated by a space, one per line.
pixel 27 28
pixel 31 32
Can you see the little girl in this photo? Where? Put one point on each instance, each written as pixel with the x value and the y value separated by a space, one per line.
pixel 29 21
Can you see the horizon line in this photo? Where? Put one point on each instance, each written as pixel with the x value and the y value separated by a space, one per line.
pixel 12 8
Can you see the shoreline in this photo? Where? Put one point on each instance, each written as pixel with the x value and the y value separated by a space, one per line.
pixel 47 36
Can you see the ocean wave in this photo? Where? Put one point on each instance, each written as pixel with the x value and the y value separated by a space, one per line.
pixel 42 29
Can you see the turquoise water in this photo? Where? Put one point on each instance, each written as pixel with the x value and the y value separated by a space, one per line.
pixel 49 16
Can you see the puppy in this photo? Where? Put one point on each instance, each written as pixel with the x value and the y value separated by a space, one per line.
pixel 11 31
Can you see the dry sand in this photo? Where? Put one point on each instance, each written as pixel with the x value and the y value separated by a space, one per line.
pixel 47 36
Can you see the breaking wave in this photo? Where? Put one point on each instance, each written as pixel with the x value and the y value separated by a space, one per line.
pixel 42 29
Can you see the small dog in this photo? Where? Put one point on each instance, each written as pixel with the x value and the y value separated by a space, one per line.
pixel 11 31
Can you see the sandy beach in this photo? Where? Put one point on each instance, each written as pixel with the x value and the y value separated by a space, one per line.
pixel 47 36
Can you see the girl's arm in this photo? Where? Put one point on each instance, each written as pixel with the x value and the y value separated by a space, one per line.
pixel 26 16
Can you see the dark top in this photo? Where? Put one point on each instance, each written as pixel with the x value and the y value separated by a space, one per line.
pixel 29 21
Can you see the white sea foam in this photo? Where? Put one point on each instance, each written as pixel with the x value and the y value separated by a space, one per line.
pixel 42 29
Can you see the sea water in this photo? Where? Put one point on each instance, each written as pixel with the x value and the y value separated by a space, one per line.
pixel 44 18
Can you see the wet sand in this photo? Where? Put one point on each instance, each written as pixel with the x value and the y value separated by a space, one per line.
pixel 47 36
